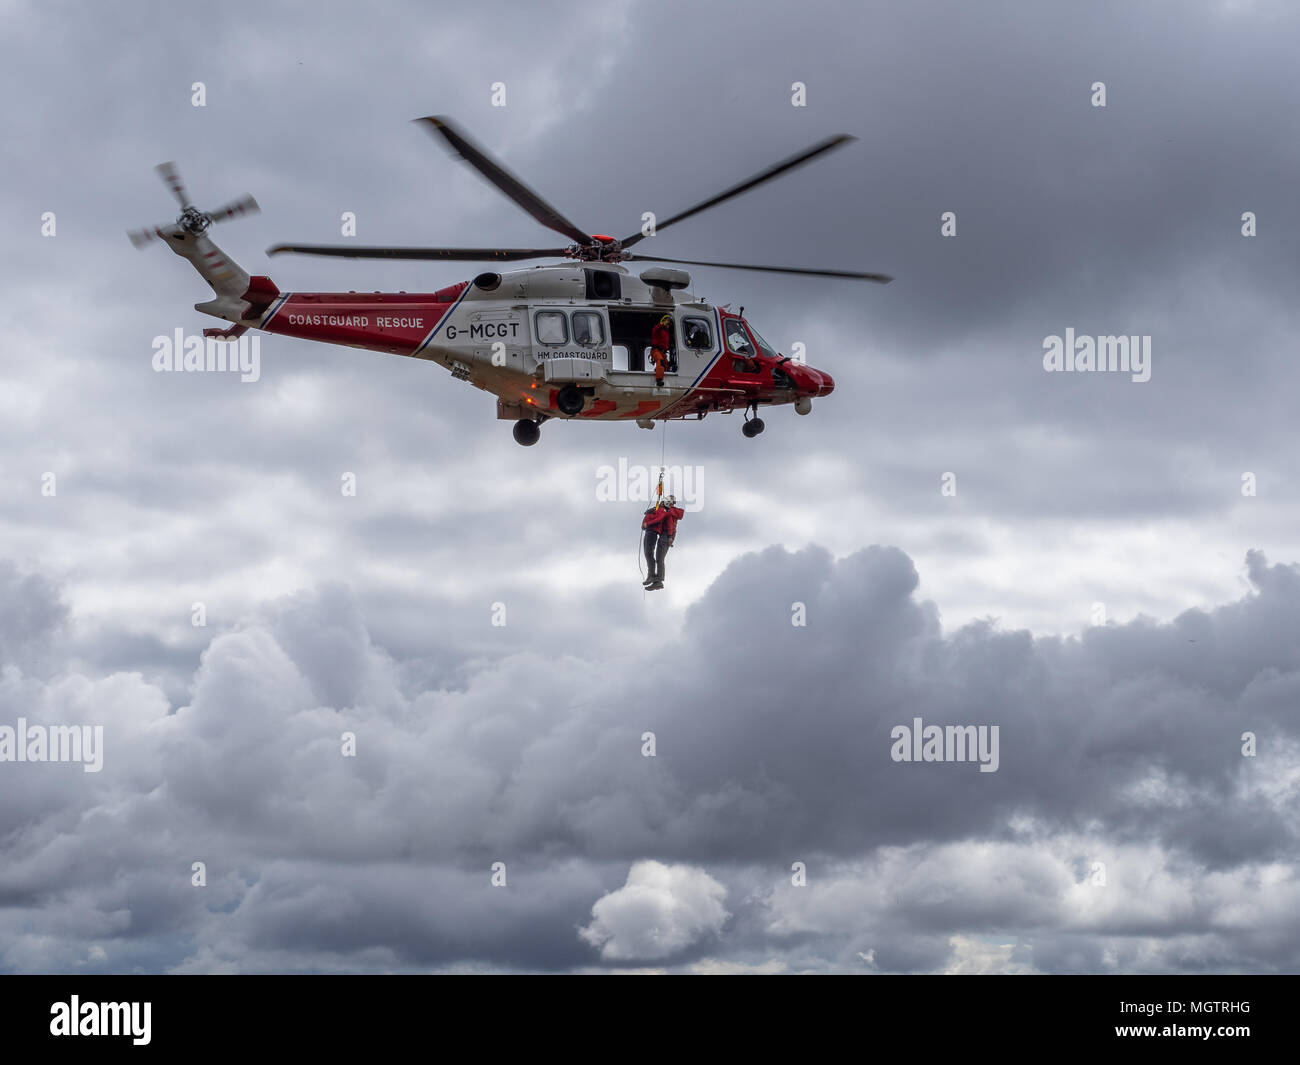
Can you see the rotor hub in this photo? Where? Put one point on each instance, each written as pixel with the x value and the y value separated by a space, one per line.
pixel 194 221
pixel 605 250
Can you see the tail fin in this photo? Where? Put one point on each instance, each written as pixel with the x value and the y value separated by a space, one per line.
pixel 240 298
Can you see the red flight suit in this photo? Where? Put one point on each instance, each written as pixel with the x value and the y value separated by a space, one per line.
pixel 660 341
pixel 660 525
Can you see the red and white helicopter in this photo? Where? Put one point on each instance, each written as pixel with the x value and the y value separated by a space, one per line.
pixel 568 340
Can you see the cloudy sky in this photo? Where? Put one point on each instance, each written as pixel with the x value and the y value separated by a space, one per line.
pixel 1113 583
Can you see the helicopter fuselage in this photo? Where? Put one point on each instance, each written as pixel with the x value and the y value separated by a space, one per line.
pixel 566 341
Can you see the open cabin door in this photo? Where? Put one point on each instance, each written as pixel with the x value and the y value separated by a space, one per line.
pixel 694 343
pixel 630 329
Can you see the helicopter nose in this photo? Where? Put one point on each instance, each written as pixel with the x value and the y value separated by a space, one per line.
pixel 819 383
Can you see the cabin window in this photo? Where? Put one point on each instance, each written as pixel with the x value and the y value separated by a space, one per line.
pixel 697 333
pixel 588 329
pixel 552 327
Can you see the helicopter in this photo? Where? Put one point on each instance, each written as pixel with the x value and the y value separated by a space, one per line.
pixel 569 340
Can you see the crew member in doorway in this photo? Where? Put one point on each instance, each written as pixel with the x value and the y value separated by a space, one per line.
pixel 661 339
pixel 660 525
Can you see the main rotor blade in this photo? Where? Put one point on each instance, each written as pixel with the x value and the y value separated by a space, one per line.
pixel 829 144
pixel 882 279
pixel 353 251
pixel 235 209
pixel 504 180
pixel 171 176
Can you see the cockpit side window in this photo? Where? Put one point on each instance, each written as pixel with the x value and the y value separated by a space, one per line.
pixel 737 339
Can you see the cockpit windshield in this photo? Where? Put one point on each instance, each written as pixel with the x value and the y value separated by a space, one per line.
pixel 763 345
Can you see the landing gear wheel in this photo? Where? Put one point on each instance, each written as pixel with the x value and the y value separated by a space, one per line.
pixel 753 427
pixel 570 400
pixel 527 432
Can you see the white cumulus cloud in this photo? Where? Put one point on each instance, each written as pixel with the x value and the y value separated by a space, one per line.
pixel 660 911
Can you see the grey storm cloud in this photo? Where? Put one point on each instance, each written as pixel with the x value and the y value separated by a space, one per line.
pixel 129 499
pixel 31 612
pixel 1123 746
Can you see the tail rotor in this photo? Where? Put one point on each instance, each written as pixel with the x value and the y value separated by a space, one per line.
pixel 191 220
